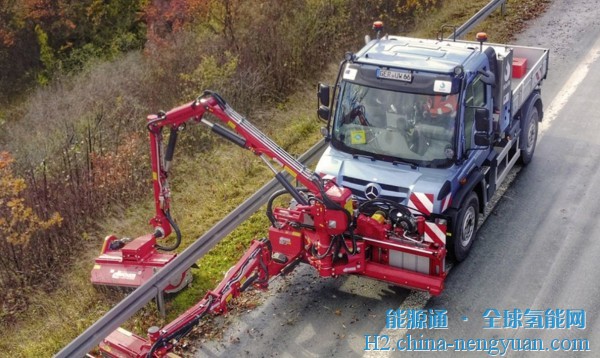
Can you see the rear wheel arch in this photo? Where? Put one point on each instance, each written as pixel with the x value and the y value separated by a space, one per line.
pixel 529 135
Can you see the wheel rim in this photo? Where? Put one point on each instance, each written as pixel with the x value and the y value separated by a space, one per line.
pixel 531 135
pixel 468 227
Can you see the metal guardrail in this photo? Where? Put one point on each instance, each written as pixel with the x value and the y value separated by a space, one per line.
pixel 478 17
pixel 146 292
pixel 153 287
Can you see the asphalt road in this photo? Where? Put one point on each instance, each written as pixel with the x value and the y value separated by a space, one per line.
pixel 537 249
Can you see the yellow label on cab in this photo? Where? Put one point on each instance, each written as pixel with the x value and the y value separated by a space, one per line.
pixel 358 136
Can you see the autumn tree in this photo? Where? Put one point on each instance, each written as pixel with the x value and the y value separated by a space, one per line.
pixel 167 17
pixel 18 50
pixel 40 37
pixel 18 222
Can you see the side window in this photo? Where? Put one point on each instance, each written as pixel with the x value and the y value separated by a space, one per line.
pixel 475 98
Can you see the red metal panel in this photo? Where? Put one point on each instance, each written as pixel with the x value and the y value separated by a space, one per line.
pixel 122 343
pixel 413 280
pixel 139 248
pixel 286 242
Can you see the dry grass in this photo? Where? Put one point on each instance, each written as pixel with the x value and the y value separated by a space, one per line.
pixel 206 187
pixel 52 318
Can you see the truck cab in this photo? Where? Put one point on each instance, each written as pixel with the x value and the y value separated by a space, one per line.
pixel 431 124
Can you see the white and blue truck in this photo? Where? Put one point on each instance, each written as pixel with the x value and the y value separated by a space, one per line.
pixel 435 125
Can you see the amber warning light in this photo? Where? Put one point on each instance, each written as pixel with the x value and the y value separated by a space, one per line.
pixel 481 37
pixel 378 27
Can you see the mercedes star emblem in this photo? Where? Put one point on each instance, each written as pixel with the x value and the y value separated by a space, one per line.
pixel 372 191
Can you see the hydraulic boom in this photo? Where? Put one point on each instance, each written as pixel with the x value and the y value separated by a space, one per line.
pixel 324 226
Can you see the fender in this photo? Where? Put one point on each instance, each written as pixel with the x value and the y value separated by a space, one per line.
pixel 535 99
pixel 473 180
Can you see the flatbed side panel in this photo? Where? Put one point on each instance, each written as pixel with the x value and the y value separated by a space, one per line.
pixel 537 68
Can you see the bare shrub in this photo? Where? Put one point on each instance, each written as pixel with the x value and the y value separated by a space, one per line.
pixel 21 227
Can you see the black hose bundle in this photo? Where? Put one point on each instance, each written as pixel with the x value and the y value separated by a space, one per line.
pixel 398 213
pixel 177 233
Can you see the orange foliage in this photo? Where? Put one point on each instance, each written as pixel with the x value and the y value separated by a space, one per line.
pixel 7 38
pixel 40 9
pixel 18 222
pixel 164 17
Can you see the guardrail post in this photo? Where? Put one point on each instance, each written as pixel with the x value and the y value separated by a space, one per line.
pixel 160 303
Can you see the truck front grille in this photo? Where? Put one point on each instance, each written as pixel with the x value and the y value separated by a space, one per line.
pixel 390 192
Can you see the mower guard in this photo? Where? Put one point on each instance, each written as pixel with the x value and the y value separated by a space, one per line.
pixel 134 264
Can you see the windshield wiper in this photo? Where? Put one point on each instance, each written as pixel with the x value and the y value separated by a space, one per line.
pixel 394 162
pixel 370 157
pixel 439 163
pixel 411 164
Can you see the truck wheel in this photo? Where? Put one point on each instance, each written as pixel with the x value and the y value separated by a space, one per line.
pixel 465 228
pixel 529 136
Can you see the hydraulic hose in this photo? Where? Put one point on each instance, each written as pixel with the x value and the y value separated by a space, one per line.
pixel 378 202
pixel 270 214
pixel 277 194
pixel 177 234
pixel 315 253
pixel 406 219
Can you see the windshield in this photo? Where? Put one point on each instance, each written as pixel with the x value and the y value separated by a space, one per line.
pixel 396 126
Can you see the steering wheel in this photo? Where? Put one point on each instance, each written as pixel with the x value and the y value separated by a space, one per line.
pixel 411 119
pixel 416 142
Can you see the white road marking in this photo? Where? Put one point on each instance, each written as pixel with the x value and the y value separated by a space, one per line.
pixel 569 88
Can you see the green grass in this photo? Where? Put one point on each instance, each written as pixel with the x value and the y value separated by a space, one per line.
pixel 206 187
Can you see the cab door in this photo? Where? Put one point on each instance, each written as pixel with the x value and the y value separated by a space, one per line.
pixel 477 97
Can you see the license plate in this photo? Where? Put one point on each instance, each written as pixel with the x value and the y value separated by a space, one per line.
pixel 404 76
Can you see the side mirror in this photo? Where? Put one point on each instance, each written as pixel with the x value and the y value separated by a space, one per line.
pixel 488 77
pixel 323 112
pixel 323 94
pixel 482 140
pixel 482 120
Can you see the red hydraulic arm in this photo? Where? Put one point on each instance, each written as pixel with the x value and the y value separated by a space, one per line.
pixel 254 268
pixel 336 219
pixel 130 263
pixel 248 137
pixel 324 226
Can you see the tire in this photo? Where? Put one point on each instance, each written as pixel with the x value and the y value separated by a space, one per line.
pixel 464 229
pixel 529 136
